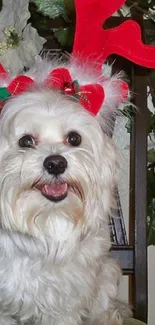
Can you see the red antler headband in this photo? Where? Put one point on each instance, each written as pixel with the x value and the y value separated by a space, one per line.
pixel 93 42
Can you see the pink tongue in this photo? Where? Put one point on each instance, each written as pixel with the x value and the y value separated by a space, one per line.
pixel 54 190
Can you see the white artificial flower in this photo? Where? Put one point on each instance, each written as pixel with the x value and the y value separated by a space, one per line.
pixel 19 42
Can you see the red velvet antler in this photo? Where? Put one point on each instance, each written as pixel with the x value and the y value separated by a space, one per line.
pixel 92 41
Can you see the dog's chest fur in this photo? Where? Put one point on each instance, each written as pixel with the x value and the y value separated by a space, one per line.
pixel 33 286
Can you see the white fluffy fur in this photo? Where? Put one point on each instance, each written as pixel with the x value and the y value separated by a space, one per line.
pixel 55 264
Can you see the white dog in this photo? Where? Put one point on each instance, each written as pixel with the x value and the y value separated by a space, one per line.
pixel 58 172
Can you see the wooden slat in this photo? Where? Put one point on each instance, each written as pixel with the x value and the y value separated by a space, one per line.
pixel 124 254
pixel 138 203
pixel 118 231
pixel 140 149
pixel 138 184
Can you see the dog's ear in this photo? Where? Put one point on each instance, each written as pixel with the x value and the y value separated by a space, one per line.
pixel 117 97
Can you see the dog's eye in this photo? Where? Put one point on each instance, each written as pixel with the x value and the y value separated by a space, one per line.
pixel 27 141
pixel 74 139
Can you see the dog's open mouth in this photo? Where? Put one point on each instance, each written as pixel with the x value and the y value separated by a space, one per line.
pixel 54 192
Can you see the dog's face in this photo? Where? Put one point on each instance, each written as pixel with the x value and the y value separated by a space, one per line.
pixel 55 162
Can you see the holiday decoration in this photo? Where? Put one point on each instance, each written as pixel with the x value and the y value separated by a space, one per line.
pixel 93 41
pixel 19 41
pixel 94 44
pixel 90 97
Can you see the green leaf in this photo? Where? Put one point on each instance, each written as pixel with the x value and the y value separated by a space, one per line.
pixel 129 125
pixel 62 35
pixel 50 8
pixel 152 82
pixel 150 187
pixel 65 36
pixel 151 223
pixel 151 155
pixel 151 235
pixel 151 122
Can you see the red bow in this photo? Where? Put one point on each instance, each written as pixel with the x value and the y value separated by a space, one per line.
pixel 90 96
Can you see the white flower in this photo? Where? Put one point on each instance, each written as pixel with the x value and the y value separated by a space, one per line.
pixel 19 42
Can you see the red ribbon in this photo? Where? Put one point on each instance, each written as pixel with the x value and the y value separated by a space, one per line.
pixel 90 96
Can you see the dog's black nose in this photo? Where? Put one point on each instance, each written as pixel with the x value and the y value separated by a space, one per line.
pixel 55 164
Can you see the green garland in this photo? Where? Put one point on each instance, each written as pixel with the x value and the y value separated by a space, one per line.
pixel 51 8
